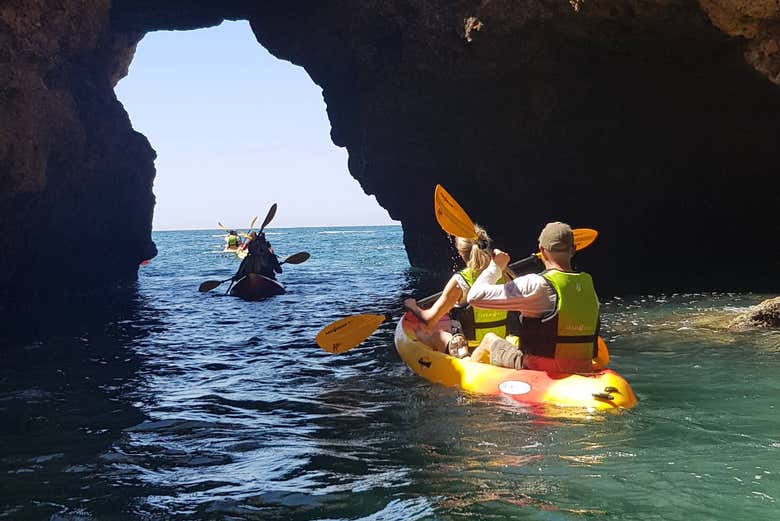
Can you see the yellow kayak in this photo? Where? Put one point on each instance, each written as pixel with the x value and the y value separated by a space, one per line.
pixel 600 391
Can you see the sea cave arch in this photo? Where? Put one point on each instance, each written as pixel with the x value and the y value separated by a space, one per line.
pixel 234 130
pixel 653 122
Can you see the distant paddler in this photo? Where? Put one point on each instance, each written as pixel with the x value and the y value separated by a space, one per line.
pixel 232 241
pixel 260 260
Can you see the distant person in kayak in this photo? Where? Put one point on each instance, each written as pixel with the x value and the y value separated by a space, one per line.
pixel 469 323
pixel 559 310
pixel 233 241
pixel 249 238
pixel 261 259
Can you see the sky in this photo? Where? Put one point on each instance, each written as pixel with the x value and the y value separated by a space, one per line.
pixel 235 130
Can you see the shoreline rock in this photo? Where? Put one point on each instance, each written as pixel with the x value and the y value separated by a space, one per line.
pixel 765 315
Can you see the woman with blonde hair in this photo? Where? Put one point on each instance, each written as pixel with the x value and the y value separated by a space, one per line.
pixel 469 324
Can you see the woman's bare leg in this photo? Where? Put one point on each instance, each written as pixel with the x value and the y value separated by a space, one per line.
pixel 436 339
pixel 482 352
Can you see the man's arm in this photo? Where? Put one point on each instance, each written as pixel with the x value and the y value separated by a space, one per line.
pixel 485 293
pixel 526 294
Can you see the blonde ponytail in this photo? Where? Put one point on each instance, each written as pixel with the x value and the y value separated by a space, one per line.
pixel 477 252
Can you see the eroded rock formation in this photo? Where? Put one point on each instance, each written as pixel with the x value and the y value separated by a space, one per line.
pixel 764 315
pixel 654 122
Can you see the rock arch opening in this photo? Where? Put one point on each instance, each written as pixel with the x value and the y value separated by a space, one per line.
pixel 236 129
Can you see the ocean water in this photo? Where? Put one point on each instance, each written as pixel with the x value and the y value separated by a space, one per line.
pixel 153 401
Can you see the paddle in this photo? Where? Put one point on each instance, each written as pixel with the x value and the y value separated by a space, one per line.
pixel 211 284
pixel 268 217
pixel 451 217
pixel 295 258
pixel 346 333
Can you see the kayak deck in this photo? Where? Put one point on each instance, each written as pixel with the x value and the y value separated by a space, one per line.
pixel 256 287
pixel 604 390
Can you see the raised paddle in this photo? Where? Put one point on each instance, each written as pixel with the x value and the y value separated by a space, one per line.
pixel 451 217
pixel 251 225
pixel 268 217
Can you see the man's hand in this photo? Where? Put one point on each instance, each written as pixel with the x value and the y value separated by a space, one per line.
pixel 410 304
pixel 501 258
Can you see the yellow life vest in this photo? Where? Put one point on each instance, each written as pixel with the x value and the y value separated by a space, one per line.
pixel 571 332
pixel 477 322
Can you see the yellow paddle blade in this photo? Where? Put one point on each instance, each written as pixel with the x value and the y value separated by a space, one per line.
pixel 222 226
pixel 451 217
pixel 584 237
pixel 252 224
pixel 344 334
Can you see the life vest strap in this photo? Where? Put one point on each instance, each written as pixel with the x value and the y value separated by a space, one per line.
pixel 488 325
pixel 582 339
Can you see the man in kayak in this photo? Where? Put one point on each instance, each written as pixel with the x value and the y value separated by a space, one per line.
pixel 559 310
pixel 232 240
pixel 469 323
pixel 261 259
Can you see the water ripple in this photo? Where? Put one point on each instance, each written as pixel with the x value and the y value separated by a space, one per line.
pixel 159 402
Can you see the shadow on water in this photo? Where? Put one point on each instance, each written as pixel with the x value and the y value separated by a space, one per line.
pixel 66 368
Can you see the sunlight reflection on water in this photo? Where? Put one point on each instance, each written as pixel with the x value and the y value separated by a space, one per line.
pixel 164 403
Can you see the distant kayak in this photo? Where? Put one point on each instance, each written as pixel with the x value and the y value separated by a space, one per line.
pixel 256 287
pixel 604 390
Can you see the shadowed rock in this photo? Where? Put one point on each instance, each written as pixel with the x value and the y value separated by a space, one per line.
pixel 654 122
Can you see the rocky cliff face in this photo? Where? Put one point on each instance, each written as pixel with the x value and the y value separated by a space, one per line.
pixel 654 122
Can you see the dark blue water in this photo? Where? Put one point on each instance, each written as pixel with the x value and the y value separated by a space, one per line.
pixel 154 401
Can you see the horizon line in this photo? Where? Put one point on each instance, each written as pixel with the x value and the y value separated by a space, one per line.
pixel 273 228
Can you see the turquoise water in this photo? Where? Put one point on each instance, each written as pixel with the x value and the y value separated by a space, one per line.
pixel 154 401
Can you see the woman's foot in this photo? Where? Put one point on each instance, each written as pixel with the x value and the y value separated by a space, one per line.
pixel 458 346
